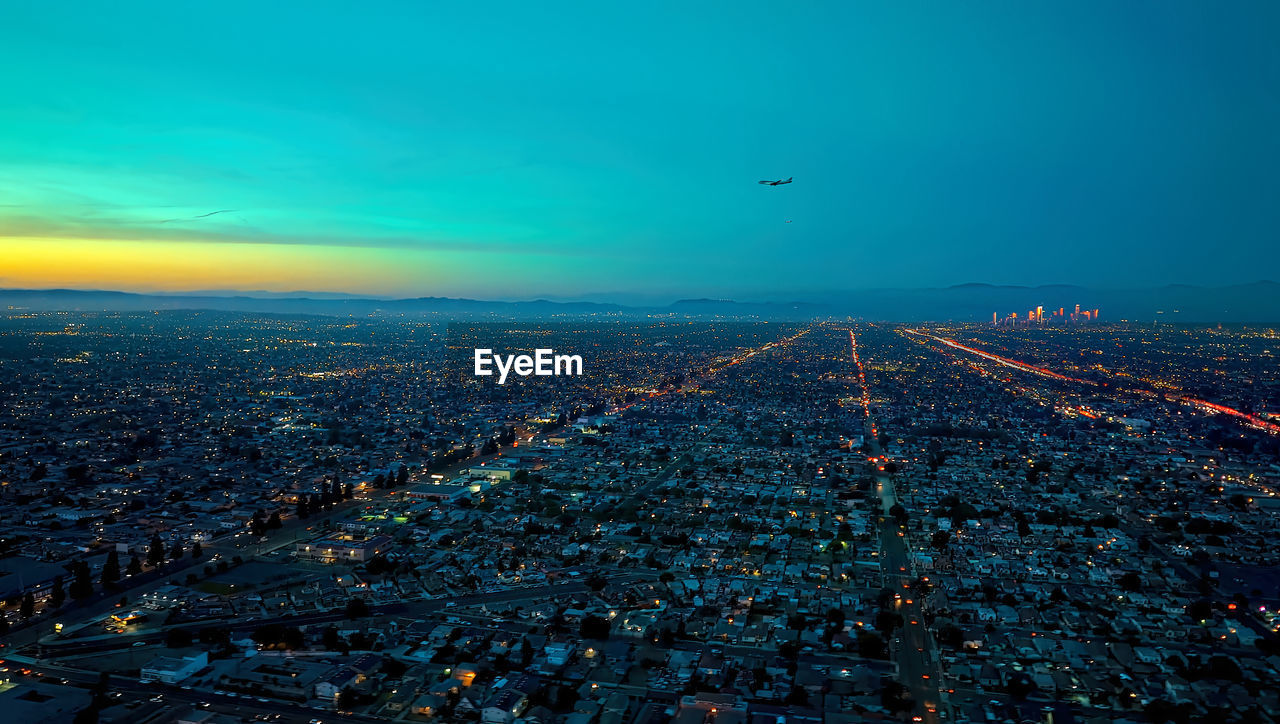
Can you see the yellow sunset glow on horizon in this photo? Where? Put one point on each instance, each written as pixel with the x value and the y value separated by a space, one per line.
pixel 157 266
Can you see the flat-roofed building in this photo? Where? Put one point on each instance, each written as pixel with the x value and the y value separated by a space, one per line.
pixel 343 546
pixel 170 669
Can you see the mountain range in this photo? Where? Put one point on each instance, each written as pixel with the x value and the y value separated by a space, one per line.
pixel 1257 302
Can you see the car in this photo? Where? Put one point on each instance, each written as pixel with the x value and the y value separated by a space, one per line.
pixel 204 705
pixel 316 721
pixel 451 604
pixel 139 643
pixel 157 698
pixel 264 700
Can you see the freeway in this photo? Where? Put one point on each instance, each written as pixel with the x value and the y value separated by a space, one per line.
pixel 236 705
pixel 76 647
pixel 292 530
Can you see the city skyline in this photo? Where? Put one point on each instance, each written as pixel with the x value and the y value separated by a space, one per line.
pixel 436 152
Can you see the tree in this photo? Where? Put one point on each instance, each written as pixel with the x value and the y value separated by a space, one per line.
pixel 348 491
pixel 304 509
pixel 330 639
pixel 27 608
pixel 177 638
pixel 111 569
pixel 887 621
pixel 81 581
pixel 899 513
pixel 176 552
pixel 1200 610
pixel 594 627
pixel 797 697
pixel 134 567
pixel 951 635
pixel 57 595
pixel 357 608
pixel 196 552
pixel 273 522
pixel 941 539
pixel 155 552
pixel 894 696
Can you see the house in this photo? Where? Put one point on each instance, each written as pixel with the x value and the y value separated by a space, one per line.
pixel 427 705
pixel 504 706
pixel 330 686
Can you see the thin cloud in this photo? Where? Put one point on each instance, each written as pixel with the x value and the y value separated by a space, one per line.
pixel 118 229
pixel 200 216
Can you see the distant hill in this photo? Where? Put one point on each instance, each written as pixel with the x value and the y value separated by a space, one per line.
pixel 1258 302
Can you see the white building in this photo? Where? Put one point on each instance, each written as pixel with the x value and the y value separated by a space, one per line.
pixel 171 670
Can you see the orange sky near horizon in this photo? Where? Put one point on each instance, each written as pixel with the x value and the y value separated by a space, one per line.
pixel 155 266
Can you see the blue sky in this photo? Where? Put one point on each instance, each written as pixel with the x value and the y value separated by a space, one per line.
pixel 510 150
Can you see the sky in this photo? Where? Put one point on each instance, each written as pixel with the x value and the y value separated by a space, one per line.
pixel 612 151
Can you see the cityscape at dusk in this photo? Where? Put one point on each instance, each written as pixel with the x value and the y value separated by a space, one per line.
pixel 680 364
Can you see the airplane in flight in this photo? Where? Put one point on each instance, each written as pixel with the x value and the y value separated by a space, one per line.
pixel 779 182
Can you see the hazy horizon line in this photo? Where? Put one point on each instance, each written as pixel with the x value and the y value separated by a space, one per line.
pixel 605 298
